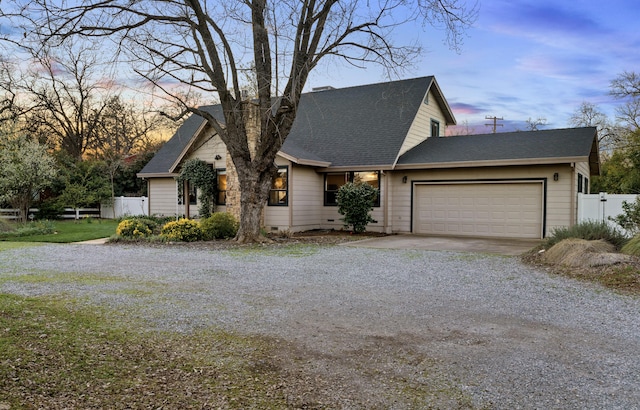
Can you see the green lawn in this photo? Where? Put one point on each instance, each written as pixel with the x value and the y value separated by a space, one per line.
pixel 71 231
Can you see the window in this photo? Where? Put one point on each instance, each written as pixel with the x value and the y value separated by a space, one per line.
pixel 222 187
pixel 193 193
pixel 333 182
pixel 278 195
pixel 435 128
pixel 580 183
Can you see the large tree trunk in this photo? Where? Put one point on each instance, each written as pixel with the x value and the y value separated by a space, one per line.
pixel 254 192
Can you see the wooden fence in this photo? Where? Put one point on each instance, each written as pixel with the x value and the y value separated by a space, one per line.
pixel 69 213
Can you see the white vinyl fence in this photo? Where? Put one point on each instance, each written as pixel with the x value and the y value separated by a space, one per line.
pixel 122 206
pixel 599 207
pixel 125 206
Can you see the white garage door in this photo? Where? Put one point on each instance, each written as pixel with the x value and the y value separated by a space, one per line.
pixel 510 210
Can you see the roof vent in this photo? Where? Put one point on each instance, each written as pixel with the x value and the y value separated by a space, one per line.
pixel 323 88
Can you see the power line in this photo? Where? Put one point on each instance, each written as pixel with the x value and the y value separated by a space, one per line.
pixel 495 122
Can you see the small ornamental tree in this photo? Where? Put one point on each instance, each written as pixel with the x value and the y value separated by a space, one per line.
pixel 205 179
pixel 26 168
pixel 355 202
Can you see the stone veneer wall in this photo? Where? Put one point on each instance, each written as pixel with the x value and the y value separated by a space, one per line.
pixel 233 187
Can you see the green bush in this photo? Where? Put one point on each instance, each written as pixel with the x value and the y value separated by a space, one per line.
pixel 30 228
pixel 355 202
pixel 590 231
pixel 49 209
pixel 136 228
pixel 632 247
pixel 182 230
pixel 220 225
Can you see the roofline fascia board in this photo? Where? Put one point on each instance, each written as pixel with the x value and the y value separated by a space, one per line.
pixel 157 175
pixel 186 149
pixel 302 161
pixel 496 163
pixel 443 101
pixel 357 168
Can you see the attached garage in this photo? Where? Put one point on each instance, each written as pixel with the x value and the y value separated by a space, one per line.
pixel 507 209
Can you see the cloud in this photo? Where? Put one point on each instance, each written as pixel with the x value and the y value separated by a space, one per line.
pixel 546 22
pixel 463 108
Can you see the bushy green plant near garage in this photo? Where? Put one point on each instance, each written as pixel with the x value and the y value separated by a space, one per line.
pixel 590 231
pixel 355 202
pixel 182 230
pixel 220 225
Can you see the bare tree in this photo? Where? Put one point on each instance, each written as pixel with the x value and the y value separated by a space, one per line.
pixel 124 128
pixel 205 45
pixel 626 87
pixel 462 129
pixel 57 97
pixel 588 115
pixel 535 125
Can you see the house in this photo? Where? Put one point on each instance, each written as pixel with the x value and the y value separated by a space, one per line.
pixel 392 136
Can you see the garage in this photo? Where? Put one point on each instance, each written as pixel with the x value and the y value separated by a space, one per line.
pixel 509 209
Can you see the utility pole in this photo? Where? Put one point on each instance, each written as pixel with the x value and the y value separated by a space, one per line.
pixel 495 122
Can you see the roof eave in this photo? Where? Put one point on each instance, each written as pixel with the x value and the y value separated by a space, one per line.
pixel 186 149
pixel 448 113
pixel 343 168
pixel 303 161
pixel 156 175
pixel 492 163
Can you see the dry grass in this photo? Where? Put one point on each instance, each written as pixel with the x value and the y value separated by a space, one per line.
pixel 594 261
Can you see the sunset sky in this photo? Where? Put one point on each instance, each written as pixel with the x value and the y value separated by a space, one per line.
pixel 525 59
pixel 521 59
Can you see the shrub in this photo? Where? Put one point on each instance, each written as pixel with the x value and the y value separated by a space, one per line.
pixel 182 230
pixel 135 228
pixel 220 225
pixel 30 228
pixel 355 202
pixel 632 247
pixel 590 231
pixel 49 209
pixel 5 226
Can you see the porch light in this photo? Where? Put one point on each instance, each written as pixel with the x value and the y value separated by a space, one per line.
pixel 556 176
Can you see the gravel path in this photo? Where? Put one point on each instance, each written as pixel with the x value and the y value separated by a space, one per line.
pixel 494 331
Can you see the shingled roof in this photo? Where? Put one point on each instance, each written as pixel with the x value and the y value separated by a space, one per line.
pixel 348 127
pixel 170 153
pixel 524 147
pixel 359 126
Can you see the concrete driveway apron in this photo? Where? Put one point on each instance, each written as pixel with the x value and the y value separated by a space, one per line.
pixel 510 247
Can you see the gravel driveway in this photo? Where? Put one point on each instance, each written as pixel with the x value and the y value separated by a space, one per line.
pixel 488 331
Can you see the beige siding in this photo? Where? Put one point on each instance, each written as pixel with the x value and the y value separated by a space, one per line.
pixel 206 149
pixel 421 127
pixel 163 197
pixel 558 193
pixel 307 196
